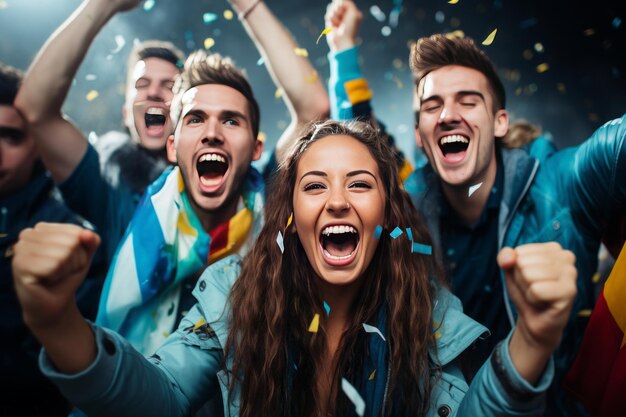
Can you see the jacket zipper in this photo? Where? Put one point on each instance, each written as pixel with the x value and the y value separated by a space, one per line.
pixel 386 389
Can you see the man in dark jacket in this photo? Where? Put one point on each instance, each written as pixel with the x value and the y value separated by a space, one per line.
pixel 27 196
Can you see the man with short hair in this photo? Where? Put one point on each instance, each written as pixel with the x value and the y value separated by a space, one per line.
pixel 27 196
pixel 478 197
pixel 102 183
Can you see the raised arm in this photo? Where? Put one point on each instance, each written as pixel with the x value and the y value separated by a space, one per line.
pixel 48 81
pixel 304 93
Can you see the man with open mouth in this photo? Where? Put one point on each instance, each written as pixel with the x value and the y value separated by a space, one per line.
pixel 104 182
pixel 478 197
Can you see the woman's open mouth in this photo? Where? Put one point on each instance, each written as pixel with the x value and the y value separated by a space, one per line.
pixel 339 244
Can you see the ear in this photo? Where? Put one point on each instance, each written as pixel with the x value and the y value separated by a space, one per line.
pixel 500 123
pixel 258 150
pixel 171 149
pixel 418 137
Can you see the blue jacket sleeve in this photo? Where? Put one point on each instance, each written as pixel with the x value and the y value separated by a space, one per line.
pixel 499 390
pixel 349 92
pixel 175 381
pixel 597 183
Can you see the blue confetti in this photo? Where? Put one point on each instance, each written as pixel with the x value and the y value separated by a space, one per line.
pixel 421 248
pixel 260 62
pixel 209 17
pixel 148 5
pixel 327 308
pixel 395 233
pixel 378 231
pixel 409 234
pixel 617 22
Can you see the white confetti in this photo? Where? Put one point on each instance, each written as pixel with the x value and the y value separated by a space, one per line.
pixel 279 240
pixel 120 42
pixel 354 396
pixel 473 189
pixel 372 329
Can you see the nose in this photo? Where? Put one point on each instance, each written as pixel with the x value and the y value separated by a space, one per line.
pixel 337 202
pixel 155 92
pixel 449 114
pixel 212 134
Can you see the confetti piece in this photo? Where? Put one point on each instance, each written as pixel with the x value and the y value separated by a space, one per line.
pixel 378 231
pixel 166 334
pixel 455 34
pixel 91 77
pixel 315 323
pixel 473 189
pixel 260 62
pixel 208 18
pixel 289 220
pixel 395 233
pixel 278 93
pixel 421 248
pixel 394 16
pixel 385 31
pixel 453 1
pixel 372 375
pixel 354 396
pixel 596 278
pixel 327 308
pixel 324 32
pixel 584 313
pixel 148 5
pixel 539 47
pixel 372 329
pixel 589 32
pixel 489 40
pixel 311 78
pixel 261 136
pixel 301 52
pixel 616 22
pixel 198 324
pixel 279 240
pixel 92 95
pixel 228 14
pixel 208 43
pixel 377 13
pixel 119 44
pixel 541 68
pixel 438 335
pixel 409 234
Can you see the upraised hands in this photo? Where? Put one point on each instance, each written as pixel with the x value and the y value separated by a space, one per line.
pixel 541 281
pixel 344 18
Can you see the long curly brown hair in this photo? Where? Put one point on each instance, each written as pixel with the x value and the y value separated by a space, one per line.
pixel 276 296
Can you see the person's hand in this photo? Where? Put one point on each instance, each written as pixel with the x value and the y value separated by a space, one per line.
pixel 50 262
pixel 344 18
pixel 122 5
pixel 541 281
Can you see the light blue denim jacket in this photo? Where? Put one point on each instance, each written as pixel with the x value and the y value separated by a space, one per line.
pixel 186 370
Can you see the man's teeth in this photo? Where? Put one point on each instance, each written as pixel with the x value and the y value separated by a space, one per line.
pixel 453 139
pixel 157 111
pixel 212 157
pixel 338 229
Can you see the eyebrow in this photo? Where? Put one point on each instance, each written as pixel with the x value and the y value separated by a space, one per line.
pixel 460 94
pixel 349 174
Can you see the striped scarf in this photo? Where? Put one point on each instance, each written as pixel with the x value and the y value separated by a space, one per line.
pixel 165 244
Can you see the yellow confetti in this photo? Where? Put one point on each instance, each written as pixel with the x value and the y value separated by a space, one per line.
pixel 166 334
pixel 589 32
pixel 311 78
pixel 228 14
pixel 438 335
pixel 490 38
pixel 92 95
pixel 324 32
pixel 542 67
pixel 278 93
pixel 596 278
pixel 453 1
pixel 372 375
pixel 301 52
pixel 584 313
pixel 208 43
pixel 198 324
pixel 290 219
pixel 455 34
pixel 315 323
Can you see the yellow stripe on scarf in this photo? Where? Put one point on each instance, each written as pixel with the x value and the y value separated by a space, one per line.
pixel 238 228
